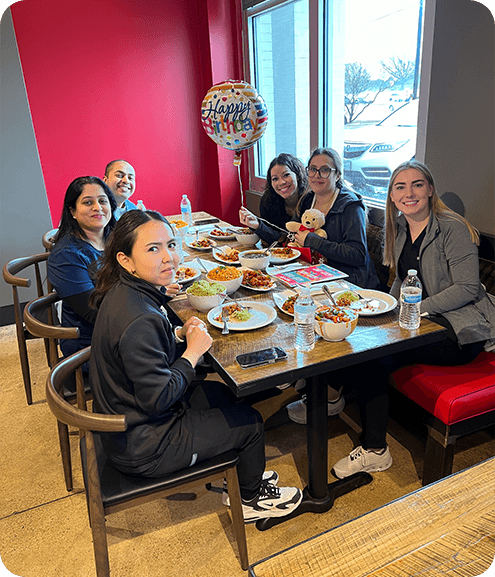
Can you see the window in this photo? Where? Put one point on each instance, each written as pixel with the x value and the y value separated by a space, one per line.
pixel 339 73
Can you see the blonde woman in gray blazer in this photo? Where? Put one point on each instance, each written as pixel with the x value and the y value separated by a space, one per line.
pixel 422 233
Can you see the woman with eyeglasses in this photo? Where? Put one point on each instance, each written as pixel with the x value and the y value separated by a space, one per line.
pixel 345 247
pixel 286 182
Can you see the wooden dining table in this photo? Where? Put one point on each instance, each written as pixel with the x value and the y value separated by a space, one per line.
pixel 374 337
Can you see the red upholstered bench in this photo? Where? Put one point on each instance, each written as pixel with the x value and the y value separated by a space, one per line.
pixel 459 400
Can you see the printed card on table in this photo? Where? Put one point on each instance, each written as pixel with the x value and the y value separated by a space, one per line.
pixel 311 274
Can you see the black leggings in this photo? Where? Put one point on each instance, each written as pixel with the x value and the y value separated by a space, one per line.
pixel 212 424
pixel 371 380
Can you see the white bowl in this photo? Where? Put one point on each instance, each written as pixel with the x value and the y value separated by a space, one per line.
pixel 182 230
pixel 247 239
pixel 332 331
pixel 230 285
pixel 259 262
pixel 205 303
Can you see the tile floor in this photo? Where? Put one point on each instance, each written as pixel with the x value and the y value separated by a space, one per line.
pixel 44 530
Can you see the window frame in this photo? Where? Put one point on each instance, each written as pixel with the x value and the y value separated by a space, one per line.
pixel 318 98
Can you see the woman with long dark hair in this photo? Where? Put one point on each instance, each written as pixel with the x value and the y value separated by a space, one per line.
pixel 286 182
pixel 87 220
pixel 143 367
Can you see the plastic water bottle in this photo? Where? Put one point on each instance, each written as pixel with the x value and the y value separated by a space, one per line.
pixel 410 301
pixel 140 205
pixel 304 318
pixel 185 209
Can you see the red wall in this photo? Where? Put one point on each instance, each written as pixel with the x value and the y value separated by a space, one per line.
pixel 110 79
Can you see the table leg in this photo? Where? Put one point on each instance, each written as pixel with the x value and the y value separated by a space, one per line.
pixel 318 496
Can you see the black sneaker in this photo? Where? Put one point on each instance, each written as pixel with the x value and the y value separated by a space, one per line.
pixel 269 476
pixel 271 501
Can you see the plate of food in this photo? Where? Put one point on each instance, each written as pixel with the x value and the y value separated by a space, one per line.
pixel 285 301
pixel 284 254
pixel 366 302
pixel 244 316
pixel 256 280
pixel 221 234
pixel 201 243
pixel 227 255
pixel 186 274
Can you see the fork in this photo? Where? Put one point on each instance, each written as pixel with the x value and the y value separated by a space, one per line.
pixel 225 318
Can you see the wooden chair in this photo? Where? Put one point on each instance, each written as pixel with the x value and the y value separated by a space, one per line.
pixel 107 489
pixel 48 239
pixel 10 270
pixel 34 313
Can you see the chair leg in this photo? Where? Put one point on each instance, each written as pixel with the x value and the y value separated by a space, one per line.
pixel 96 511
pixel 63 436
pixel 237 516
pixel 26 375
pixel 439 456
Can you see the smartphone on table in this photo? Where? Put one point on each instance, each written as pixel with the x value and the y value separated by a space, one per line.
pixel 263 357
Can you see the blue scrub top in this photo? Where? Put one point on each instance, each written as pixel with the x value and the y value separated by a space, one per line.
pixel 68 269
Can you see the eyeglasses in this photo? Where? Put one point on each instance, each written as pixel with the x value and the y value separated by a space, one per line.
pixel 323 172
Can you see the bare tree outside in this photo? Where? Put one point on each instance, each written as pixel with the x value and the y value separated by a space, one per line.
pixel 400 70
pixel 357 81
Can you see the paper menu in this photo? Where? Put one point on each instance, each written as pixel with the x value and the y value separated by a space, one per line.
pixel 311 274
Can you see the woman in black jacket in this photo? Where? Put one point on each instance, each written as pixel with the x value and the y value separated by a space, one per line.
pixel 144 368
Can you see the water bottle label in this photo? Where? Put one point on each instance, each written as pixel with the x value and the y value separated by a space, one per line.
pixel 411 299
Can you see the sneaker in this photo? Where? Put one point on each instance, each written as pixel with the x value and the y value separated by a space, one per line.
pixel 268 476
pixel 284 386
pixel 363 460
pixel 297 409
pixel 271 501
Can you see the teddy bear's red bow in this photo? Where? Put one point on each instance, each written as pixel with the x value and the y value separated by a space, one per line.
pixel 302 228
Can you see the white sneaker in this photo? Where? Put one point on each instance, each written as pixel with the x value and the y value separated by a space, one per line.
pixel 298 412
pixel 268 476
pixel 271 501
pixel 363 460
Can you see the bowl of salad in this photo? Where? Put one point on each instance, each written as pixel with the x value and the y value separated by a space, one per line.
pixel 204 296
pixel 335 323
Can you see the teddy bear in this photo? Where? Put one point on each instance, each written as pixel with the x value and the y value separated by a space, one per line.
pixel 311 220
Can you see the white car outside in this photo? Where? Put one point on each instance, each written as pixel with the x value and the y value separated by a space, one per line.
pixel 371 153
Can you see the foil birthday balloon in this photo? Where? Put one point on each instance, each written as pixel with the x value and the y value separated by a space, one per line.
pixel 234 115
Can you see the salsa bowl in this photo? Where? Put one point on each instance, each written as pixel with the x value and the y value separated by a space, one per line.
pixel 335 323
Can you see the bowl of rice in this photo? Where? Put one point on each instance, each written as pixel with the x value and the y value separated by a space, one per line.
pixel 246 237
pixel 204 295
pixel 229 276
pixel 180 226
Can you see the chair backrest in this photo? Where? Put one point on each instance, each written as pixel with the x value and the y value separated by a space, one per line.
pixel 10 271
pixel 48 239
pixel 34 314
pixel 69 414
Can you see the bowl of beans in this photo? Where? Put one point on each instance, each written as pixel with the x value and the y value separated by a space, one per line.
pixel 255 259
pixel 229 276
pixel 335 323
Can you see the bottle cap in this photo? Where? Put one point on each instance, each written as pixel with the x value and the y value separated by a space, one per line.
pixel 412 272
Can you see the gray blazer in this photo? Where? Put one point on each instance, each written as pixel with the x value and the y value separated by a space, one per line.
pixel 449 266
